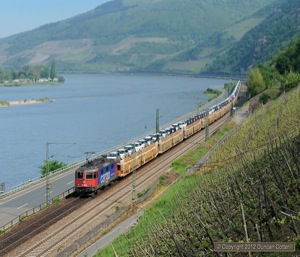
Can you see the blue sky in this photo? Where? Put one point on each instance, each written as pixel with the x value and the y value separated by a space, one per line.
pixel 22 15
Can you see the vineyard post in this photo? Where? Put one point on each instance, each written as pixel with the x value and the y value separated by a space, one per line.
pixel 245 226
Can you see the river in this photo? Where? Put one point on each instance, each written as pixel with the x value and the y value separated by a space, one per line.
pixel 90 113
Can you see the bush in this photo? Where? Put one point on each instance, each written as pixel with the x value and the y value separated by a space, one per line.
pixel 51 165
pixel 263 98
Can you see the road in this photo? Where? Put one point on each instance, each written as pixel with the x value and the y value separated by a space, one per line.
pixel 15 205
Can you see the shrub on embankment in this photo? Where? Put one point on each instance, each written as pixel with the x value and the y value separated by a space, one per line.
pixel 256 175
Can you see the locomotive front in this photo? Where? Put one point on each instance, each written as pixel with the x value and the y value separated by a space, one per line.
pixel 86 180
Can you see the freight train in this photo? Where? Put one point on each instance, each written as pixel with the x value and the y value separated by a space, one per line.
pixel 99 172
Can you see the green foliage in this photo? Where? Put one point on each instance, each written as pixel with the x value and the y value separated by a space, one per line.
pixel 5 75
pixel 229 86
pixel 26 72
pixel 212 93
pixel 264 97
pixel 297 243
pixel 29 74
pixel 292 80
pixel 43 71
pixel 255 82
pixel 162 179
pixel 188 160
pixel 145 191
pixel 23 216
pixel 289 59
pixel 279 75
pixel 4 103
pixel 263 41
pixel 61 79
pixel 283 64
pixel 53 70
pixel 51 165
pixel 56 201
pixel 267 71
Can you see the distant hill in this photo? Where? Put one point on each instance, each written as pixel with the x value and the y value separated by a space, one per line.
pixel 263 41
pixel 137 36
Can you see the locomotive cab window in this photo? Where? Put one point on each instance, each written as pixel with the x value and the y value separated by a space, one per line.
pixel 79 175
pixel 89 175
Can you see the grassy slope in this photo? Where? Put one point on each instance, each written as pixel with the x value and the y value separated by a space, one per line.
pixel 261 173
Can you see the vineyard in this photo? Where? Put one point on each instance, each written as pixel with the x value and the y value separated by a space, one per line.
pixel 248 191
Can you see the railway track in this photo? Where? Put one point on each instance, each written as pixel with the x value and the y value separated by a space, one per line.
pixel 66 227
pixel 35 225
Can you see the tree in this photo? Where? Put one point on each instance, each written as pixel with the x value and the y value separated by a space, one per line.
pixel 283 64
pixel 5 75
pixel 51 165
pixel 264 97
pixel 229 87
pixel 53 70
pixel 292 80
pixel 43 70
pixel 256 82
pixel 61 79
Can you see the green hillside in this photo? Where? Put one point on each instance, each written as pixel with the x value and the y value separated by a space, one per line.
pixel 136 36
pixel 263 41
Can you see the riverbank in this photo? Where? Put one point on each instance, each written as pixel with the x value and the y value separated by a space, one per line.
pixel 25 102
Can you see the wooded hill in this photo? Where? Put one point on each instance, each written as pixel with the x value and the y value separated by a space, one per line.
pixel 263 41
pixel 138 36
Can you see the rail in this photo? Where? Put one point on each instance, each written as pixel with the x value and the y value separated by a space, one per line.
pixel 34 210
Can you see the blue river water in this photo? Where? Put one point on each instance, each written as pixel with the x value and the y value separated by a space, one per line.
pixel 90 113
